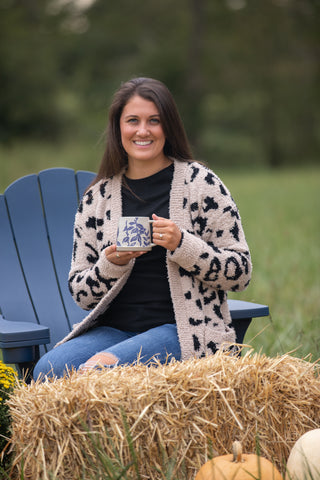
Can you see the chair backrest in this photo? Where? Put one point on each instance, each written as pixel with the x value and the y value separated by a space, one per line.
pixel 36 228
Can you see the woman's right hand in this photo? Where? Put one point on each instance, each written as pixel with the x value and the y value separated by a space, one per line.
pixel 120 258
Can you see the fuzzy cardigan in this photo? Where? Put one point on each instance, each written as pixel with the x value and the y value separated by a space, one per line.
pixel 212 257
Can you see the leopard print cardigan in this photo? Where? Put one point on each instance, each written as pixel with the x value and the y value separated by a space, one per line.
pixel 211 259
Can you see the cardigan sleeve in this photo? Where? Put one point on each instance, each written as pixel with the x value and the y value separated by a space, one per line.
pixel 91 274
pixel 214 250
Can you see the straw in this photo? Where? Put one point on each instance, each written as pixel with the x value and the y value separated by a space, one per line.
pixel 179 412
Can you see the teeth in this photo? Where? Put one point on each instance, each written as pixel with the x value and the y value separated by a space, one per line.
pixel 142 143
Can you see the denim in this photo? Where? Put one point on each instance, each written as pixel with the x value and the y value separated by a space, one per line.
pixel 159 343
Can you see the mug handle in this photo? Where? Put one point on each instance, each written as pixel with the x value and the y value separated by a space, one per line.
pixel 152 244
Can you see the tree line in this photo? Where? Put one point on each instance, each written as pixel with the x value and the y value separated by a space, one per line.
pixel 245 74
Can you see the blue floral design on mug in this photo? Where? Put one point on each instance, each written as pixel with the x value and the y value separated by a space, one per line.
pixel 134 232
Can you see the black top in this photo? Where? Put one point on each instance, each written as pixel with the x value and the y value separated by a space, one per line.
pixel 145 301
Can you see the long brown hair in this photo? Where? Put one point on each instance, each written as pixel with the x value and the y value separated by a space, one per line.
pixel 176 145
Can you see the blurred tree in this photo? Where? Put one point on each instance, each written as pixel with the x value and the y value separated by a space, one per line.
pixel 28 71
pixel 282 62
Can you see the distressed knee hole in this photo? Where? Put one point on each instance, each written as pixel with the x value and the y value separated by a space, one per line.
pixel 99 360
pixel 103 358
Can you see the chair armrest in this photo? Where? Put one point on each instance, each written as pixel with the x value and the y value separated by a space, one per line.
pixel 20 340
pixel 240 309
pixel 242 313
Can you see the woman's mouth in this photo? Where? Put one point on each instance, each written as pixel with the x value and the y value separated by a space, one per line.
pixel 142 143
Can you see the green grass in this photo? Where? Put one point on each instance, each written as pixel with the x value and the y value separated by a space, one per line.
pixel 280 215
pixel 25 158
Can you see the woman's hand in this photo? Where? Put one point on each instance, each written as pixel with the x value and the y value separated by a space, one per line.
pixel 120 258
pixel 165 233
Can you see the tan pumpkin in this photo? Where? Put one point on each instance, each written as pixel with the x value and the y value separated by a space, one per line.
pixel 238 466
pixel 304 459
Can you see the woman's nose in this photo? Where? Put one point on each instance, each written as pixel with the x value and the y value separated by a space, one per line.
pixel 142 129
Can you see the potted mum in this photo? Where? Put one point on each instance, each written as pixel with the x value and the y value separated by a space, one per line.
pixel 7 382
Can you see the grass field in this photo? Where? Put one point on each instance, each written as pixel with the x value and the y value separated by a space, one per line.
pixel 280 212
pixel 281 217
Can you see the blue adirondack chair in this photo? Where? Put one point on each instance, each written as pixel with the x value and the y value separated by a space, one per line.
pixel 36 228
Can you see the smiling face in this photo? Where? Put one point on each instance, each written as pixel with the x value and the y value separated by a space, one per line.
pixel 142 135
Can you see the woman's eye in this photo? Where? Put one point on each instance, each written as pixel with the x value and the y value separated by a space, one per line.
pixel 132 120
pixel 155 121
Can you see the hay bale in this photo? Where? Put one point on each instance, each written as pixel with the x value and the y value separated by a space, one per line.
pixel 179 411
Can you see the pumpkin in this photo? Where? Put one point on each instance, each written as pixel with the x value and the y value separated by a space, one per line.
pixel 238 466
pixel 304 459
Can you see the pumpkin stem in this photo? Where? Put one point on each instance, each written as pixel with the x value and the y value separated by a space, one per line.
pixel 237 451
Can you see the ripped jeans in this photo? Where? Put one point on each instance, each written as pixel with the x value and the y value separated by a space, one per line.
pixel 160 343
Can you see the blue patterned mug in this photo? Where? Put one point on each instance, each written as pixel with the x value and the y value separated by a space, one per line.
pixel 134 234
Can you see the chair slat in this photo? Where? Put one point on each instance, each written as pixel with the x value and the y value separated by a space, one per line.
pixel 60 202
pixel 26 213
pixel 84 178
pixel 15 301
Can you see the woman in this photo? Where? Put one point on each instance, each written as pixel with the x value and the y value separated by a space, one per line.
pixel 170 302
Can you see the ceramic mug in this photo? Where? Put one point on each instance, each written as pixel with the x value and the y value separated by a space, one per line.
pixel 134 234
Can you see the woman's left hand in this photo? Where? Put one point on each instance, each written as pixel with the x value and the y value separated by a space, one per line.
pixel 165 233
